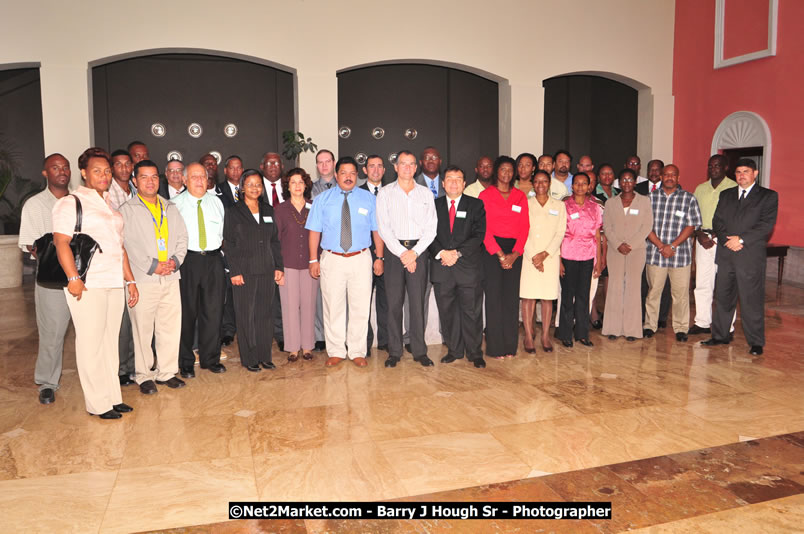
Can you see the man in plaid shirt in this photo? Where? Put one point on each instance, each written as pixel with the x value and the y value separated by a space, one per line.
pixel 676 216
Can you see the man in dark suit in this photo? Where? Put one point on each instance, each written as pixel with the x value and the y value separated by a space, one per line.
pixel 375 171
pixel 743 224
pixel 654 180
pixel 173 184
pixel 455 269
pixel 228 191
pixel 430 163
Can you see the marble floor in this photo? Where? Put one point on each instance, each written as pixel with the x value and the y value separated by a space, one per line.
pixel 631 417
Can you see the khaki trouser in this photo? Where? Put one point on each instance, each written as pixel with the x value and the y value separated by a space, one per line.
pixel 679 289
pixel 346 280
pixel 157 314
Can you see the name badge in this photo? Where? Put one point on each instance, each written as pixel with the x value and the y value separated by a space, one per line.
pixel 362 211
pixel 575 216
pixel 308 205
pixel 267 219
pixel 634 212
pixel 460 214
pixel 531 194
pixel 516 209
pixel 680 213
pixel 554 212
pixel 161 245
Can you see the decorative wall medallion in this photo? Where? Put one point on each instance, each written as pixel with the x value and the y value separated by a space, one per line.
pixel 174 155
pixel 344 132
pixel 361 158
pixel 377 133
pixel 411 134
pixel 217 155
pixel 230 130
pixel 195 130
pixel 158 129
pixel 392 158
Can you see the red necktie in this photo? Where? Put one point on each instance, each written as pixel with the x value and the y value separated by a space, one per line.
pixel 275 199
pixel 451 214
pixel 652 188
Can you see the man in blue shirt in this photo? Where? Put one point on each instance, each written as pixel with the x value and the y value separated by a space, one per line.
pixel 343 222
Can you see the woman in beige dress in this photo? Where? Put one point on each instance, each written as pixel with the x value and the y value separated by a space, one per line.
pixel 627 221
pixel 540 266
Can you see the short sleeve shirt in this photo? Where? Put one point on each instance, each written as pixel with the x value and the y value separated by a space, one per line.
pixel 671 214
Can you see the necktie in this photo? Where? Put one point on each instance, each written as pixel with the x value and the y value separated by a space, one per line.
pixel 274 195
pixel 202 230
pixel 434 188
pixel 451 214
pixel 652 188
pixel 237 194
pixel 346 224
pixel 742 196
pixel 376 190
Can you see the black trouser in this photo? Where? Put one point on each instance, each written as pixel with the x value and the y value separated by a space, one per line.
pixel 748 283
pixel 254 305
pixel 125 343
pixel 666 302
pixel 574 314
pixel 502 302
pixel 460 309
pixel 202 292
pixel 228 325
pixel 398 282
pixel 277 316
pixel 381 303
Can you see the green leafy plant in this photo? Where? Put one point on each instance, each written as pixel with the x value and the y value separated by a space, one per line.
pixel 14 189
pixel 295 143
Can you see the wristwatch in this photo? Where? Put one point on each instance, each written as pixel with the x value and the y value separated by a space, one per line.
pixel 672 247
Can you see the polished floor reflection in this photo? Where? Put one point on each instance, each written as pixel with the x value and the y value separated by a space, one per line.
pixel 561 424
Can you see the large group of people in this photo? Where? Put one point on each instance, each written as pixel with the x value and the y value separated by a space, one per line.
pixel 186 264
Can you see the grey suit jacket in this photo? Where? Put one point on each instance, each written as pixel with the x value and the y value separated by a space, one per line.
pixel 139 239
pixel 420 180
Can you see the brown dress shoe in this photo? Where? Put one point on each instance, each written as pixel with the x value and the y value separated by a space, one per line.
pixel 332 361
pixel 360 362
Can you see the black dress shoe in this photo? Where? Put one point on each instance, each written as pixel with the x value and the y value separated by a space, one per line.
pixel 662 324
pixel 122 408
pixel 585 342
pixel 449 358
pixel 172 382
pixel 695 330
pixel 382 347
pixel 566 343
pixel 597 325
pixel 612 337
pixel 756 350
pixel 391 361
pixel 407 348
pixel 681 336
pixel 268 365
pixel 320 345
pixel 253 368
pixel 647 332
pixel 47 396
pixel 368 353
pixel 188 373
pixel 630 338
pixel 425 361
pixel 711 342
pixel 126 380
pixel 480 363
pixel 216 368
pixel 226 341
pixel 148 387
pixel 111 414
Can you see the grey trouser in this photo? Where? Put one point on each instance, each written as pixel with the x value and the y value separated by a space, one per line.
pixel 52 318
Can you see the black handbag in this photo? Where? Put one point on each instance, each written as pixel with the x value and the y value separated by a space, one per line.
pixel 48 269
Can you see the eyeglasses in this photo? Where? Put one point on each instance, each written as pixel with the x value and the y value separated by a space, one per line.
pixel 271 164
pixel 431 158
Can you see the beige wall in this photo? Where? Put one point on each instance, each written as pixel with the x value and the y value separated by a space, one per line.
pixel 519 42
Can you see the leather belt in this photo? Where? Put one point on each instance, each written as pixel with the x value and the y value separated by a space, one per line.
pixel 205 252
pixel 408 243
pixel 347 254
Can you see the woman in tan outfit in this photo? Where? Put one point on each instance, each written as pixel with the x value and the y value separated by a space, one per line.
pixel 540 266
pixel 627 221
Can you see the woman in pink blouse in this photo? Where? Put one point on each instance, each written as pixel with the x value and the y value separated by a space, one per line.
pixel 507 225
pixel 580 251
pixel 96 304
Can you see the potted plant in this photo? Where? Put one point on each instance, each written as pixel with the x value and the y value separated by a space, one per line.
pixel 295 144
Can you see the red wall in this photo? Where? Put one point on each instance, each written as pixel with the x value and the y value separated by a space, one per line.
pixel 771 87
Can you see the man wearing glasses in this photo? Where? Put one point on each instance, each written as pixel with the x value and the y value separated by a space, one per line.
pixel 173 184
pixel 430 162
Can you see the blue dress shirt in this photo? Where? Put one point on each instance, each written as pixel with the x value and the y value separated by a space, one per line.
pixel 325 217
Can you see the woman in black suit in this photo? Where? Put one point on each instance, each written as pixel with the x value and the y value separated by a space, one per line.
pixel 255 266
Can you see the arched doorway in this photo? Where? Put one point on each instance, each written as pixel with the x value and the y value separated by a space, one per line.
pixel 191 104
pixel 418 105
pixel 745 134
pixel 591 114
